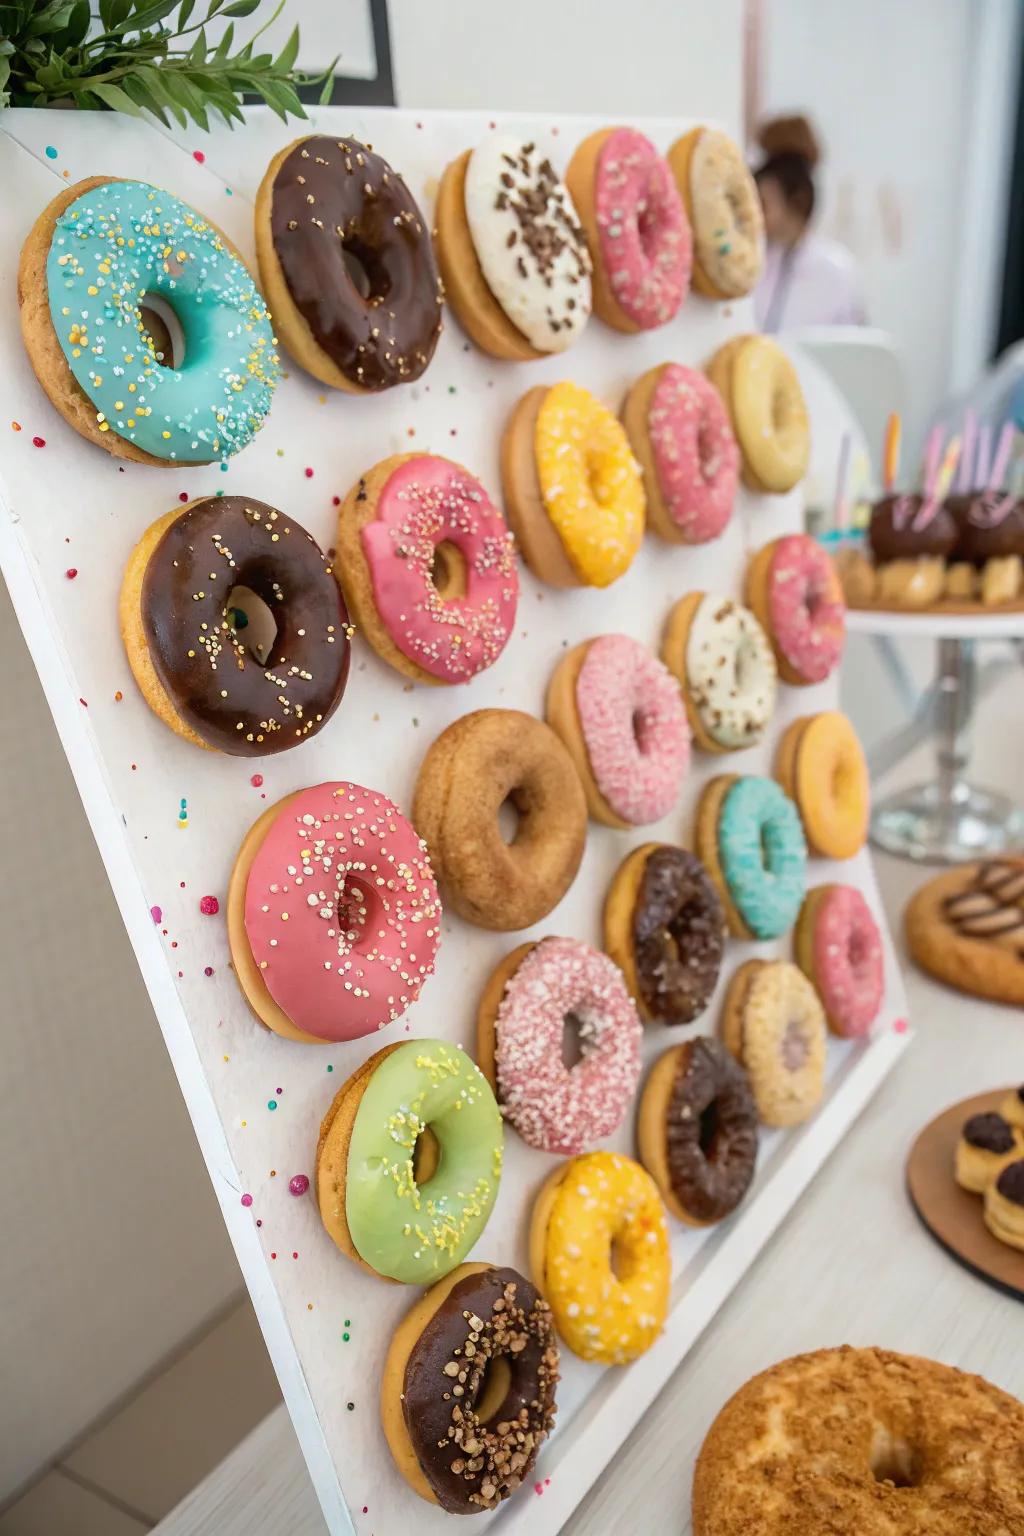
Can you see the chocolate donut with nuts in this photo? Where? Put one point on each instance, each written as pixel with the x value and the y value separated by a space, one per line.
pixel 468 1393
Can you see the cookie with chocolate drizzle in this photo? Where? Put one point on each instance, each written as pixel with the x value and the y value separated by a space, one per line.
pixel 966 927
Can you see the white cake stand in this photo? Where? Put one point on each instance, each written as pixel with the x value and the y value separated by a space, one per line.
pixel 948 820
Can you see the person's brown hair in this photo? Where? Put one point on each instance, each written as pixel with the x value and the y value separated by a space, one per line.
pixel 791 151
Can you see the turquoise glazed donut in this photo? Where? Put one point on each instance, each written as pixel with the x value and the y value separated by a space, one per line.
pixel 761 854
pixel 370 1200
pixel 113 246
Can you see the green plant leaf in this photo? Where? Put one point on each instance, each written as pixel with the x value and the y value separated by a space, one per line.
pixel 240 8
pixel 200 48
pixel 181 20
pixel 149 14
pixel 286 58
pixel 51 18
pixel 78 24
pixel 144 98
pixel 224 46
pixel 327 89
pixel 113 96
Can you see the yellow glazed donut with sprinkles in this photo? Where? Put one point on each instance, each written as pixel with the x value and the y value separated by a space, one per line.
pixel 109 266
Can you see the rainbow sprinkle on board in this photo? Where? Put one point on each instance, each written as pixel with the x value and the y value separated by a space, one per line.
pixel 113 247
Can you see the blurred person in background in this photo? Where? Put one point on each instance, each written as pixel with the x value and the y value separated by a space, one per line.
pixel 807 279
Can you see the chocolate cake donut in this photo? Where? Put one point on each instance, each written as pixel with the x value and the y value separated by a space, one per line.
pixel 347 265
pixel 665 928
pixel 697 1131
pixel 893 535
pixel 989 526
pixel 468 1393
pixel 235 628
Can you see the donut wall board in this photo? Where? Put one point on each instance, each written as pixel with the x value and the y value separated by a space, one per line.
pixel 169 817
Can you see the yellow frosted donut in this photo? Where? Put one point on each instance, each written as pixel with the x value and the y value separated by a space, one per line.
pixel 821 766
pixel 767 409
pixel 592 1207
pixel 573 490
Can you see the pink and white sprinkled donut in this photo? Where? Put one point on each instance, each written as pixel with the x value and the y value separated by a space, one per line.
pixel 839 947
pixel 636 227
pixel 429 568
pixel 794 590
pixel 333 914
pixel 620 712
pixel 681 433
pixel 521 1023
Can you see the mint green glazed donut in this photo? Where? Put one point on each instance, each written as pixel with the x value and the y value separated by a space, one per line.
pixel 763 855
pixel 111 247
pixel 417 1233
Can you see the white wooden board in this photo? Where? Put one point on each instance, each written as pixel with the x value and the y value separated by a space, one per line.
pixel 256 1100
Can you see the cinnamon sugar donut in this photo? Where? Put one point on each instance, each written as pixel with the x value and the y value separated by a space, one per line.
pixel 863 1442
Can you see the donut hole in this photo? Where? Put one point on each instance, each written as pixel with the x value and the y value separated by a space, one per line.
pixel 250 622
pixel 708 1127
pixel 619 1258
pixel 894 1460
pixel 366 271
pixel 510 818
pixel 163 330
pixel 448 571
pixel 495 1386
pixel 354 906
pixel 576 1036
pixel 641 723
pixel 647 228
pixel 426 1156
pixel 708 456
pixel 795 1047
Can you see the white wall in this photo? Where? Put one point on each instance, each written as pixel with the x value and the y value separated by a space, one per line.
pixel 891 87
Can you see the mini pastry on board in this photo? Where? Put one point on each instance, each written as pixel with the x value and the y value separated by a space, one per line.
pixel 897 1444
pixel 966 927
pixel 428 567
pixel 511 250
pixel 697 1131
pixel 234 626
pixel 144 326
pixel 526 1007
pixel 665 928
pixel 774 1025
pixel 573 490
pixel 409 1161
pixel 794 591
pixel 636 227
pixel 749 838
pixel 621 716
pixel 488 1333
pixel 1012 1107
pixel 987 1143
pixel 989 526
pixel 838 947
pixel 333 914
pixel 821 765
pixel 587 1204
pixel 475 766
pixel 766 406
pixel 1004 1204
pixel 680 432
pixel 347 265
pixel 726 669
pixel 724 210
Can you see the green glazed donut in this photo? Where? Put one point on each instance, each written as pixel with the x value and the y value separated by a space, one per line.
pixel 369 1199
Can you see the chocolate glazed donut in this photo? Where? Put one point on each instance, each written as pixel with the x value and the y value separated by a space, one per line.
pixel 334 196
pixel 710 1131
pixel 200 645
pixel 678 936
pixel 472 1463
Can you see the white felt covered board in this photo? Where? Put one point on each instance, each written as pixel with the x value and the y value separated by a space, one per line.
pixel 257 1100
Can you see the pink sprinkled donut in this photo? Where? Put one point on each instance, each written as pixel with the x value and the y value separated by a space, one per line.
pixel 636 227
pixel 429 568
pixel 839 947
pixel 333 915
pixel 793 588
pixel 620 712
pixel 680 432
pixel 520 1028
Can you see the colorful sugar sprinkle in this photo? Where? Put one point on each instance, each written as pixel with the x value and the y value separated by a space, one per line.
pixel 50 152
pixel 39 442
pixel 256 780
pixel 271 1103
pixel 183 812
pixel 198 156
pixel 247 1200
pixel 71 572
pixel 156 913
pixel 299 1184
pixel 209 906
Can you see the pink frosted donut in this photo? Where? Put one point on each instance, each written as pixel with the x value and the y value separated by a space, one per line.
pixel 696 459
pixel 554 1107
pixel 341 913
pixel 796 593
pixel 627 715
pixel 840 948
pixel 643 235
pixel 449 620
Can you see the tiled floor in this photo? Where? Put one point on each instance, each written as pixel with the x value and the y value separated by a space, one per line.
pixel 132 1469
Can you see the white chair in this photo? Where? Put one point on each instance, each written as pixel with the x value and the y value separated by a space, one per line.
pixel 866 368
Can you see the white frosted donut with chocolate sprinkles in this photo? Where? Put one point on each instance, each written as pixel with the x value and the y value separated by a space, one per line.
pixel 528 241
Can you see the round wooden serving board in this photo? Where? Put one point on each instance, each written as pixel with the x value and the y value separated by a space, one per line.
pixel 952 1215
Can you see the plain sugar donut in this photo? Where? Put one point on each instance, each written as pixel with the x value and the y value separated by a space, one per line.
pixel 473 767
pixel 766 405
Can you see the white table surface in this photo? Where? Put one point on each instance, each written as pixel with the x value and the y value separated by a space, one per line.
pixel 852 1265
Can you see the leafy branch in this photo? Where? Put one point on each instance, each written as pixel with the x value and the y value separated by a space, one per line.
pixel 145 55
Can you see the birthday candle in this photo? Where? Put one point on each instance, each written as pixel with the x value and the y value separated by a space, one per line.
pixel 1002 458
pixel 932 456
pixel 966 468
pixel 947 469
pixel 891 456
pixel 984 452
